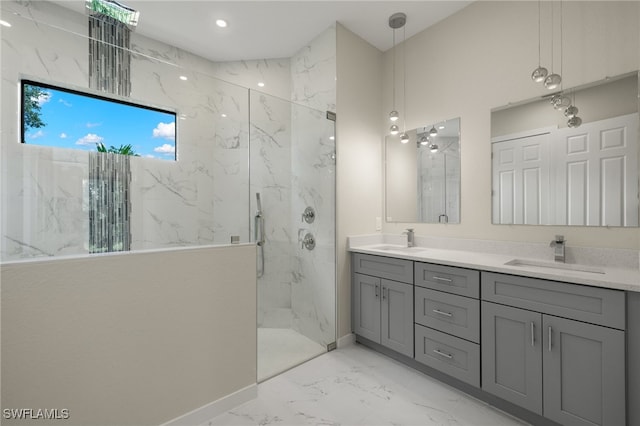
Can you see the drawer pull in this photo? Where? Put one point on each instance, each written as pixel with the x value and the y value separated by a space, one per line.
pixel 446 314
pixel 377 291
pixel 446 355
pixel 550 338
pixel 446 280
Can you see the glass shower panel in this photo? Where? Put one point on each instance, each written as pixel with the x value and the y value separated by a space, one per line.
pixel 292 167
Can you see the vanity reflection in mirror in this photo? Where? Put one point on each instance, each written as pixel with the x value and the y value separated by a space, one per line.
pixel 422 176
pixel 547 173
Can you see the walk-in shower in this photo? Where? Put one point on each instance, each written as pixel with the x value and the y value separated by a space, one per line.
pixel 292 173
pixel 249 167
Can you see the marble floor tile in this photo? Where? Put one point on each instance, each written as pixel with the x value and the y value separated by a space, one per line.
pixel 280 349
pixel 357 386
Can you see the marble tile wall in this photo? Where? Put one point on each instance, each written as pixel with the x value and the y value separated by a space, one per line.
pixel 49 184
pixel 439 182
pixel 313 71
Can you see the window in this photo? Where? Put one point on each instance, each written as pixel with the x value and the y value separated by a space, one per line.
pixel 59 117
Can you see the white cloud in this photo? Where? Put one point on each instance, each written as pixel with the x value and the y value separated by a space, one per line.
pixel 65 103
pixel 36 135
pixel 165 149
pixel 165 130
pixel 90 125
pixel 149 156
pixel 43 98
pixel 63 135
pixel 90 139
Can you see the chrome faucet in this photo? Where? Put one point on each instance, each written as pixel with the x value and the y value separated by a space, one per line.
pixel 410 237
pixel 558 252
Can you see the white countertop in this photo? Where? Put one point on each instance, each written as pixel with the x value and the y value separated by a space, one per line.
pixel 614 278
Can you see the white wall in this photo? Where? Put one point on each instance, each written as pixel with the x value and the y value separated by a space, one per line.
pixel 116 346
pixel 481 58
pixel 359 153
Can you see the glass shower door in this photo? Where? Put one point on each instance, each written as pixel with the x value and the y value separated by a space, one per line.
pixel 292 168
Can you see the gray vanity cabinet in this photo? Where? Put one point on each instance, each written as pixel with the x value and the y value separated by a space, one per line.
pixel 512 355
pixel 584 373
pixel 569 371
pixel 383 308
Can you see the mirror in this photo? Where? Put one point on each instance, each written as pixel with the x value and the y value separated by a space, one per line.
pixel 547 173
pixel 422 176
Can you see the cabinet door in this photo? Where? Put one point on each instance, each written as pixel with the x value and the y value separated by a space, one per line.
pixel 512 355
pixel 397 317
pixel 584 373
pixel 366 303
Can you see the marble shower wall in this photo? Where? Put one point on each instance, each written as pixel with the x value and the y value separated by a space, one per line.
pixel 44 191
pixel 270 175
pixel 313 71
pixel 48 184
pixel 439 182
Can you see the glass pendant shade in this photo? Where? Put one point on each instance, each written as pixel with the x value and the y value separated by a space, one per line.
pixel 433 132
pixel 560 102
pixel 552 81
pixel 433 148
pixel 404 138
pixel 393 115
pixel 571 111
pixel 424 140
pixel 394 129
pixel 539 74
pixel 574 121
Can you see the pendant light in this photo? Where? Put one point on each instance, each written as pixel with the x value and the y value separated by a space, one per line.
pixel 433 132
pixel 539 74
pixel 397 20
pixel 553 81
pixel 572 113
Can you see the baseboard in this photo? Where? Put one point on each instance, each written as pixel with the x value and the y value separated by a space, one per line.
pixel 346 340
pixel 200 415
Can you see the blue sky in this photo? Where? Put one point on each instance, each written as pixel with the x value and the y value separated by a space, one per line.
pixel 80 122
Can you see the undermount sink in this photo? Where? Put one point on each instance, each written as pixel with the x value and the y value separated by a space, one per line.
pixel 554 265
pixel 399 248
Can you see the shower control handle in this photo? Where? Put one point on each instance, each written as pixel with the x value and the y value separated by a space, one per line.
pixel 309 215
pixel 309 242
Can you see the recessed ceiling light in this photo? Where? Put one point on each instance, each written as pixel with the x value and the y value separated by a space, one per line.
pixel 5 23
pixel 183 78
pixel 223 115
pixel 332 138
pixel 440 127
pixel 221 23
pixel 260 84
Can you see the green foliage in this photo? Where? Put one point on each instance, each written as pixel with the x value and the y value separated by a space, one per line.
pixel 32 109
pixel 122 149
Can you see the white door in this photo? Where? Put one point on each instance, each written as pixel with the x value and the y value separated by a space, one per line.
pixel 521 180
pixel 595 173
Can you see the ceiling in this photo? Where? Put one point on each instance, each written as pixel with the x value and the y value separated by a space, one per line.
pixel 273 29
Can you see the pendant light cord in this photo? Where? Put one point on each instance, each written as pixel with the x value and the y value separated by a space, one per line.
pixel 393 83
pixel 404 80
pixel 561 43
pixel 552 37
pixel 539 34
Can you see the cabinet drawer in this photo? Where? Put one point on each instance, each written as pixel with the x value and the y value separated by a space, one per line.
pixel 451 355
pixel 449 313
pixel 465 282
pixel 384 267
pixel 583 303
